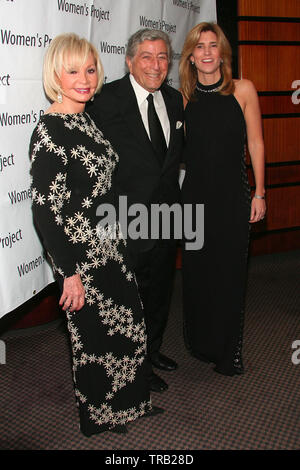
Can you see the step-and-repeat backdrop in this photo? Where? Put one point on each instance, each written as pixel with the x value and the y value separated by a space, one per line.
pixel 26 29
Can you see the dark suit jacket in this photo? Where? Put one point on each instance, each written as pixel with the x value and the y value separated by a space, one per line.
pixel 139 175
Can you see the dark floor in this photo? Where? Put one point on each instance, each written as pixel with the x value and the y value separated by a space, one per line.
pixel 204 410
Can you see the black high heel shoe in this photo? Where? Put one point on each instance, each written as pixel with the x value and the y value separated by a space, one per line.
pixel 119 429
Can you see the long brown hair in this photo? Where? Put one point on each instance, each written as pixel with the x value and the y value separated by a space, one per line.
pixel 188 72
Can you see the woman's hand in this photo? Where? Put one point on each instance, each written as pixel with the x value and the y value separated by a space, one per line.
pixel 73 293
pixel 258 210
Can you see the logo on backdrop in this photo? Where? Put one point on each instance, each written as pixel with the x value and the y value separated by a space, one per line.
pixel 176 56
pixel 6 162
pixel 29 266
pixel 157 24
pixel 11 38
pixel 19 196
pixel 106 48
pixel 9 240
pixel 7 119
pixel 84 10
pixel 4 83
pixel 5 80
pixel 193 6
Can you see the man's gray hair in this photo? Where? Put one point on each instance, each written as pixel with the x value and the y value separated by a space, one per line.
pixel 147 35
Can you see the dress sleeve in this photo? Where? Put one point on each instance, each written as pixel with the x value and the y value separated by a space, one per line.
pixel 51 196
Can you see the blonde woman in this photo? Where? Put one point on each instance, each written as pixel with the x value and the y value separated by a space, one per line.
pixel 72 174
pixel 220 114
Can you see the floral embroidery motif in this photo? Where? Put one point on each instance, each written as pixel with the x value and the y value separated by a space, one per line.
pixel 101 245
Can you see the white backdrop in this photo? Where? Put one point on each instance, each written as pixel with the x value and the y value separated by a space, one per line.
pixel 26 29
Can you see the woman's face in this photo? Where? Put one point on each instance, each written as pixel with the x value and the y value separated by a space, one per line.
pixel 79 83
pixel 206 54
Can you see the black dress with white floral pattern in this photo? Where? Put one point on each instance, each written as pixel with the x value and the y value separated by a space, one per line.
pixel 72 174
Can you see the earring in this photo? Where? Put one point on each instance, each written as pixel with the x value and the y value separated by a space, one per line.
pixel 92 98
pixel 193 63
pixel 221 61
pixel 59 97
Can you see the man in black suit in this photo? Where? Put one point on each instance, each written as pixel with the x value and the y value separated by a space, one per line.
pixel 149 141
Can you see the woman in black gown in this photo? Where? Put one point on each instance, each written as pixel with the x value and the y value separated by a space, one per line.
pixel 220 114
pixel 72 174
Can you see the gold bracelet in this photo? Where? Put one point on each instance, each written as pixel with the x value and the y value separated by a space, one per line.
pixel 259 197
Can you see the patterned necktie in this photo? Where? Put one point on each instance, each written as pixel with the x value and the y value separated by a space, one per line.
pixel 156 132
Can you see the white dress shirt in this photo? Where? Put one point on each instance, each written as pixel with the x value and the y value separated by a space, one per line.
pixel 160 107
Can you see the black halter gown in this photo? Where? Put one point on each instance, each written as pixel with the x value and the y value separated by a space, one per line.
pixel 214 277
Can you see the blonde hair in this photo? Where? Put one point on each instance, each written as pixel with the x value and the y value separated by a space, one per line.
pixel 67 50
pixel 188 72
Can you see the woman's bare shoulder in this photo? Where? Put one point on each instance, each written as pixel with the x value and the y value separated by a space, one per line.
pixel 244 85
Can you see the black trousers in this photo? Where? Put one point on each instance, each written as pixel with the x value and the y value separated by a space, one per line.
pixel 154 270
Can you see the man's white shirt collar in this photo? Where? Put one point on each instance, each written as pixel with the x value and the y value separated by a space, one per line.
pixel 141 97
pixel 140 92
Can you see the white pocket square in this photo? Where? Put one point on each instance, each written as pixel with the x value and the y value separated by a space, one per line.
pixel 178 124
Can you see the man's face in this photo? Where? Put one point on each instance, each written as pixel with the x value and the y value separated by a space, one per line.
pixel 149 66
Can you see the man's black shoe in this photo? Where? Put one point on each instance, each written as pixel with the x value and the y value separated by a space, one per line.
pixel 157 384
pixel 163 362
pixel 120 429
pixel 156 410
